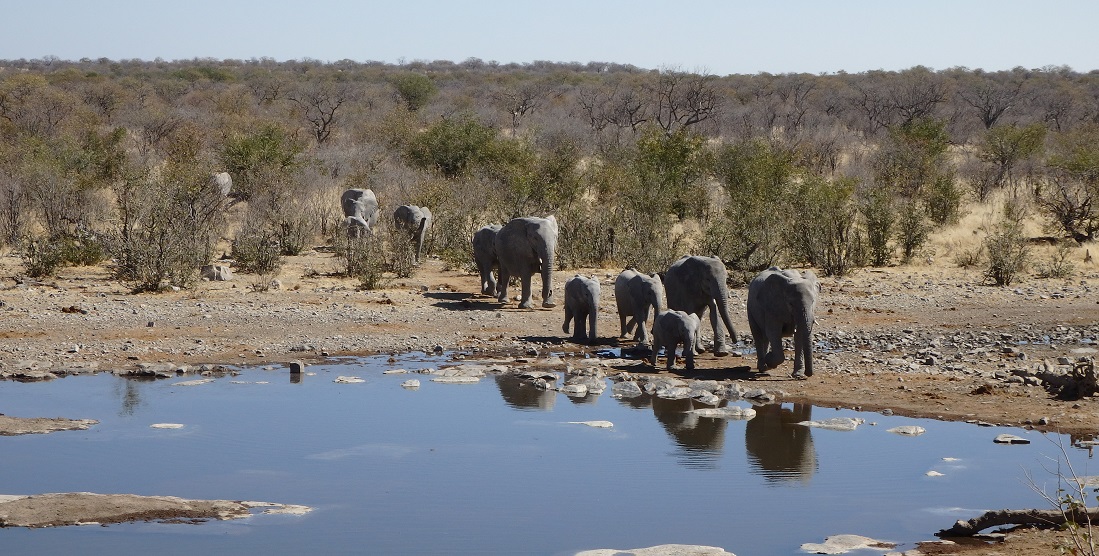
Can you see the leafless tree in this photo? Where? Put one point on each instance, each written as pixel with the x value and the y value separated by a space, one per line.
pixel 318 103
pixel 684 99
pixel 991 97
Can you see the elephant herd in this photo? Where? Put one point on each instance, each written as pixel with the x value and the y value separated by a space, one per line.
pixel 781 303
pixel 360 211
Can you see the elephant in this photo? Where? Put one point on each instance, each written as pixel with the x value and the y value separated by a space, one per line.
pixel 582 302
pixel 416 221
pixel 672 328
pixel 524 246
pixel 635 294
pixel 484 254
pixel 694 283
pixel 782 303
pixel 360 210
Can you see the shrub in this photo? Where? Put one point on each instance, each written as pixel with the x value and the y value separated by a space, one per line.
pixel 912 230
pixel 42 257
pixel 824 233
pixel 257 251
pixel 1007 248
pixel 363 258
pixel 1057 264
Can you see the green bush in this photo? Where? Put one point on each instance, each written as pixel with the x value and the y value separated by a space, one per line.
pixel 42 257
pixel 1008 250
pixel 1057 265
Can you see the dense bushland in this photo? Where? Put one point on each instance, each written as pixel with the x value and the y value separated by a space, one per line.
pixel 113 159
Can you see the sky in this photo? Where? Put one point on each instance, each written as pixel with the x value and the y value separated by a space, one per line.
pixel 705 36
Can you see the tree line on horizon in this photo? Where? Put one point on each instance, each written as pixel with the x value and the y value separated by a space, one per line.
pixel 103 159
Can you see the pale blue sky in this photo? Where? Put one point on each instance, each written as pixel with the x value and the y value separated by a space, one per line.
pixel 718 37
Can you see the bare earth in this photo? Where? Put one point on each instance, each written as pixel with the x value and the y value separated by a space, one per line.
pixel 924 340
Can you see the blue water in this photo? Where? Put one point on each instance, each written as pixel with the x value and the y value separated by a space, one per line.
pixel 492 468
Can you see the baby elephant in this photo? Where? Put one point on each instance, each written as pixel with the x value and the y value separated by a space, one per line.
pixel 636 294
pixel 581 302
pixel 674 328
pixel 782 303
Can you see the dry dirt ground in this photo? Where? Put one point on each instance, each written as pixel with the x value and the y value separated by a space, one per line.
pixel 921 340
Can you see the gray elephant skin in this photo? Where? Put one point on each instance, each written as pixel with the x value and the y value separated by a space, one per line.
pixel 526 246
pixel 360 211
pixel 637 294
pixel 414 220
pixel 484 255
pixel 582 303
pixel 694 284
pixel 672 329
pixel 782 303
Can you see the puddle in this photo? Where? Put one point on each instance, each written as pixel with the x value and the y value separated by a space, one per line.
pixel 496 466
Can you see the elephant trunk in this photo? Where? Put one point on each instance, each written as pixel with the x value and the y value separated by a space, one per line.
pixel 547 256
pixel 723 310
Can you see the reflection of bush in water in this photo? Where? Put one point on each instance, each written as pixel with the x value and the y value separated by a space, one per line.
pixel 521 394
pixel 779 448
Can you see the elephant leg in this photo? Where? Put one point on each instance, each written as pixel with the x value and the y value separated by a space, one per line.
pixel 502 285
pixel 525 302
pixel 697 344
pixel 775 356
pixel 642 336
pixel 656 351
pixel 568 318
pixel 593 317
pixel 688 355
pixel 622 325
pixel 759 338
pixel 720 349
pixel 670 351
pixel 547 293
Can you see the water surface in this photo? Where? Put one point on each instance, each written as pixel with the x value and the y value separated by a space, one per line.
pixel 492 468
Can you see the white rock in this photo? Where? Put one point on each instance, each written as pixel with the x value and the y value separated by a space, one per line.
pixel 575 390
pixel 395 372
pixel 907 430
pixel 933 473
pixel 596 424
pixel 732 412
pixel 836 424
pixel 348 380
pixel 166 426
pixel 842 544
pixel 410 384
pixel 626 389
pixel 1010 439
pixel 456 379
pixel 193 382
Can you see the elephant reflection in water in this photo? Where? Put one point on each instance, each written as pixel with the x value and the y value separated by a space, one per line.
pixel 779 448
pixel 701 438
pixel 521 394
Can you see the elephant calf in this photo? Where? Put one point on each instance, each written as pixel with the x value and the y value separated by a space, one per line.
pixel 674 328
pixel 360 210
pixel 581 302
pixel 782 303
pixel 635 294
pixel 416 221
pixel 484 254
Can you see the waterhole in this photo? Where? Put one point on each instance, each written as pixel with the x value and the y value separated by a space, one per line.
pixel 494 467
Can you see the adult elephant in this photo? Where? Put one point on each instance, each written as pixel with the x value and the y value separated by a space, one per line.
pixel 525 246
pixel 636 294
pixel 484 254
pixel 694 284
pixel 360 211
pixel 783 303
pixel 414 220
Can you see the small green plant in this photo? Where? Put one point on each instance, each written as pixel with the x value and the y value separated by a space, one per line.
pixel 363 258
pixel 42 257
pixel 1057 264
pixel 969 258
pixel 1007 248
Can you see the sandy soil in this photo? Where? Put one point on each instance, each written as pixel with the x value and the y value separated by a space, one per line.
pixel 916 340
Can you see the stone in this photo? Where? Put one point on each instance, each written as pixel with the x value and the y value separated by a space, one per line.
pixel 907 430
pixel 166 426
pixel 348 380
pixel 216 273
pixel 661 550
pixel 835 424
pixel 410 384
pixel 595 424
pixel 1010 439
pixel 575 390
pixel 456 379
pixel 842 544
pixel 732 412
pixel 626 389
pixel 296 367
